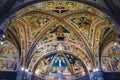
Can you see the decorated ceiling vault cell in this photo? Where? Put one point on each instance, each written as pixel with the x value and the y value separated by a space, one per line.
pixel 60 32
pixel 76 65
pixel 37 21
pixel 9 57
pixel 86 23
pixel 54 63
pixel 111 58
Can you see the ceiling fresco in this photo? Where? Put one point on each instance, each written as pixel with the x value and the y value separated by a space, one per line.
pixel 53 63
pixel 21 2
pixel 52 31
pixel 48 47
pixel 37 21
pixel 111 58
pixel 9 57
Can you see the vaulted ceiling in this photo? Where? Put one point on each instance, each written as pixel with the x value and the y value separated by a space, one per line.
pixel 85 31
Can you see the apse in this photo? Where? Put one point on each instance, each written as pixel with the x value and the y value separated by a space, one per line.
pixel 52 65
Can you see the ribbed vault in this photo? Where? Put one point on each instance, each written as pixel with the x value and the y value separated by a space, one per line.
pixel 64 27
